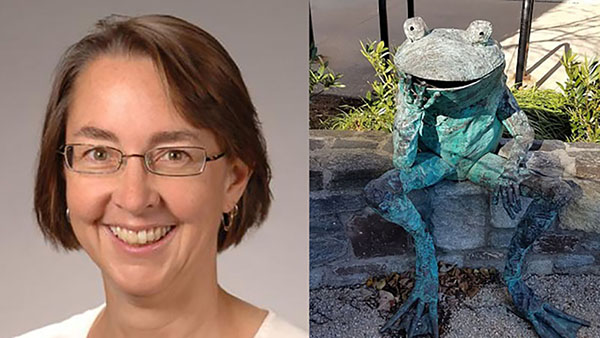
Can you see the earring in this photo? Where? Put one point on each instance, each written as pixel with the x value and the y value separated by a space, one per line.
pixel 230 218
pixel 68 213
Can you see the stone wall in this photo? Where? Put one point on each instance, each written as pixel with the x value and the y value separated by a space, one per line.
pixel 349 242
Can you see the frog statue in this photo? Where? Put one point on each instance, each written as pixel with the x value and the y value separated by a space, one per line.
pixel 452 103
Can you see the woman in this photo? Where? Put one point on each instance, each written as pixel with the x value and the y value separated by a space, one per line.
pixel 152 161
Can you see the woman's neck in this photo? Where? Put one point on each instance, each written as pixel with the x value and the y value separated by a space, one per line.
pixel 188 305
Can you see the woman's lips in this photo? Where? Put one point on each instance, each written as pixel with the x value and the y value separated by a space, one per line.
pixel 140 237
pixel 130 241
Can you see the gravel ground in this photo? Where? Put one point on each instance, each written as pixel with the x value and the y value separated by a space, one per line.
pixel 352 311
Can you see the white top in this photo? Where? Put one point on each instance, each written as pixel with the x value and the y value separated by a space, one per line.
pixel 79 325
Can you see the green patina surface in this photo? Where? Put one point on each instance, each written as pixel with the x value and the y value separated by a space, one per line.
pixel 451 106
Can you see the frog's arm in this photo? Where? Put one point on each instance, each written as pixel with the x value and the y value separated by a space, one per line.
pixel 405 135
pixel 515 121
pixel 408 121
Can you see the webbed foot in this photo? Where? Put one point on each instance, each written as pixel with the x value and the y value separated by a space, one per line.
pixel 548 321
pixel 418 316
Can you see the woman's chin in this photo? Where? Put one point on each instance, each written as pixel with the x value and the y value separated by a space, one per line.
pixel 137 280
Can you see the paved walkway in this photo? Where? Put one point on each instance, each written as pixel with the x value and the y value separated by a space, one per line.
pixel 339 25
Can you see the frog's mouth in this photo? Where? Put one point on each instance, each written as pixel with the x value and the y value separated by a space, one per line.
pixel 445 85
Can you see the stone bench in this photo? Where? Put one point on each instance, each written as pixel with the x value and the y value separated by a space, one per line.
pixel 349 242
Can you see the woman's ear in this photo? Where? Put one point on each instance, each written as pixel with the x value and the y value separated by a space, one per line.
pixel 238 175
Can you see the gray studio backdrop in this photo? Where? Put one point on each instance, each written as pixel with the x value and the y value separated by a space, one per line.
pixel 267 39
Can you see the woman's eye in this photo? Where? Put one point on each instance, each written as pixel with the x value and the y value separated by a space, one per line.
pixel 97 154
pixel 175 156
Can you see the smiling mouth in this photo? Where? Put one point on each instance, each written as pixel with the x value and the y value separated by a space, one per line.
pixel 438 84
pixel 143 237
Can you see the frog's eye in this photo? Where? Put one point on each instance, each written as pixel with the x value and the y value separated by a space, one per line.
pixel 479 31
pixel 415 28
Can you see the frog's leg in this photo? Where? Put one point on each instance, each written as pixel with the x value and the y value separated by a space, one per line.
pixel 549 195
pixel 387 195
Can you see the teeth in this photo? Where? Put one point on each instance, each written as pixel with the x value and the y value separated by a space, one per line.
pixel 140 237
pixel 150 235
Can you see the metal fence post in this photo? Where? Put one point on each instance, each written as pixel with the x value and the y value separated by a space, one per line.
pixel 524 32
pixel 383 25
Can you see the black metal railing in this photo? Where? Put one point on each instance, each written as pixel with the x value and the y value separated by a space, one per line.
pixel 383 24
pixel 524 33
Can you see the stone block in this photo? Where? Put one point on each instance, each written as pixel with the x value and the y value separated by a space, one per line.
pixel 545 163
pixel 551 145
pixel 583 213
pixel 388 146
pixel 485 254
pixel 329 134
pixel 326 225
pixel 315 180
pixel 447 188
pixel 456 259
pixel 353 170
pixel 373 236
pixel 316 144
pixel 354 143
pixel 327 249
pixel 555 243
pixel 500 219
pixel 486 258
pixel 334 203
pixel 316 277
pixel 584 145
pixel 564 262
pixel 590 242
pixel 500 238
pixel 357 272
pixel 421 201
pixel 314 162
pixel 587 164
pixel 538 266
pixel 459 220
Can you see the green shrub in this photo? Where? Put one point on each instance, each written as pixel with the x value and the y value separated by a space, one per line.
pixel 377 112
pixel 581 90
pixel 321 77
pixel 545 110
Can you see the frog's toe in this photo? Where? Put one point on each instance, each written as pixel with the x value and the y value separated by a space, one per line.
pixel 416 317
pixel 549 322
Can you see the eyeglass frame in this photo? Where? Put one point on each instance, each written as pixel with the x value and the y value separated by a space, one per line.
pixel 123 159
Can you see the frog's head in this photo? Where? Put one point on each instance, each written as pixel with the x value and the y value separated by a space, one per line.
pixel 446 57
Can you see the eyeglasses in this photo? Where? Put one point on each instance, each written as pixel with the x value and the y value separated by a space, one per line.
pixel 164 161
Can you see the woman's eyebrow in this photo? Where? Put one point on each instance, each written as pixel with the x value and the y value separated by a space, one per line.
pixel 173 136
pixel 97 133
pixel 155 139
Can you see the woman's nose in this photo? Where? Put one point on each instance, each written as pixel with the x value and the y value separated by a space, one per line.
pixel 135 192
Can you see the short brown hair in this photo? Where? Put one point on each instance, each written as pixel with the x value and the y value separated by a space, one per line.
pixel 198 75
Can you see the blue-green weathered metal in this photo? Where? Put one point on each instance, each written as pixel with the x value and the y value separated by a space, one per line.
pixel 452 103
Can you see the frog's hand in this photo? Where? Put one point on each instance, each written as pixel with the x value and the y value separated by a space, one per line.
pixel 405 135
pixel 515 121
pixel 411 104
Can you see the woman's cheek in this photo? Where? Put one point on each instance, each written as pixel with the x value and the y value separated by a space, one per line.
pixel 87 199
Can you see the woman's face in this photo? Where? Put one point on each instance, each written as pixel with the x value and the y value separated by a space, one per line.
pixel 120 102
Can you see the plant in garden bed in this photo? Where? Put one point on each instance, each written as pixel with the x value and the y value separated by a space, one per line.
pixel 545 109
pixel 377 112
pixel 582 94
pixel 321 77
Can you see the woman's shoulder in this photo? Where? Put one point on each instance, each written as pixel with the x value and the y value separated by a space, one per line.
pixel 275 327
pixel 76 326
